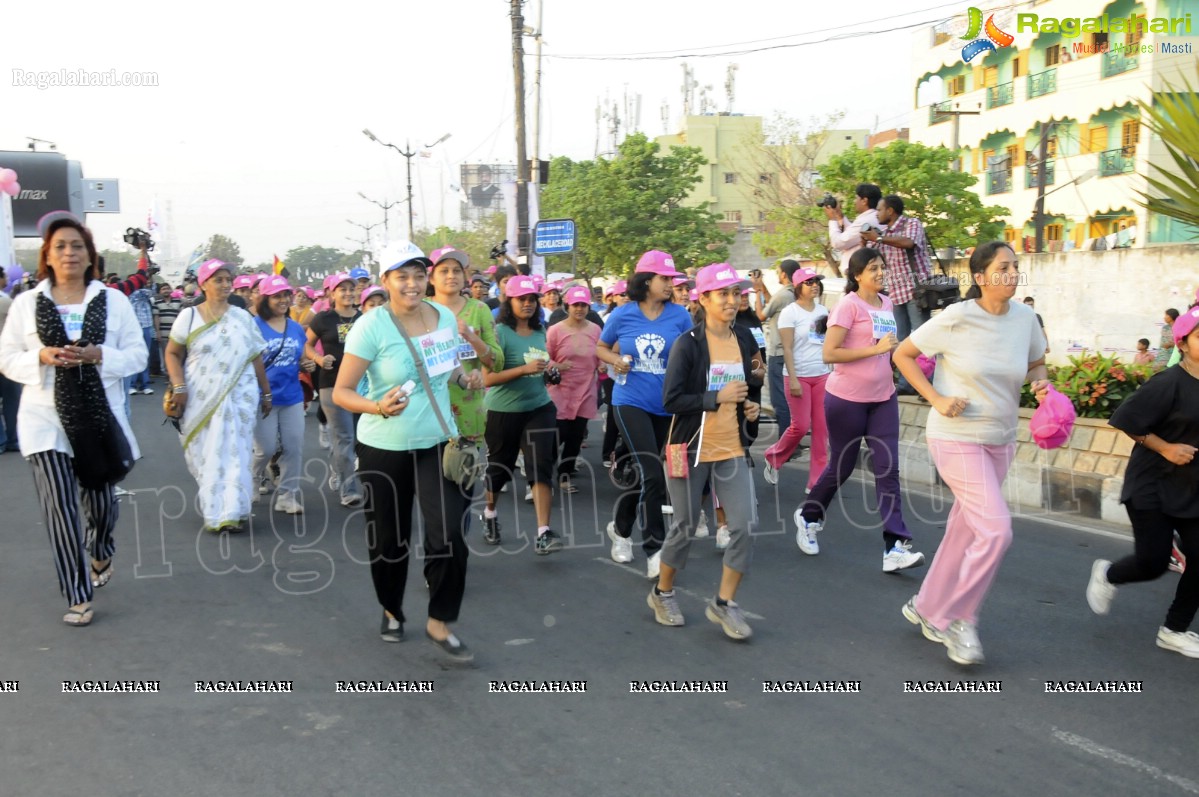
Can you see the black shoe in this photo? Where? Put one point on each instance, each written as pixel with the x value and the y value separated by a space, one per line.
pixel 491 530
pixel 452 646
pixel 547 543
pixel 391 629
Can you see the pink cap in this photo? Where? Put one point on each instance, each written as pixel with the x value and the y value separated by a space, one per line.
pixel 805 274
pixel 520 286
pixel 209 268
pixel 450 253
pixel 693 295
pixel 260 276
pixel 309 292
pixel 1185 324
pixel 369 291
pixel 333 280
pixel 681 280
pixel 491 269
pixel 538 281
pixel 718 276
pixel 621 286
pixel 176 294
pixel 243 281
pixel 320 305
pixel 553 286
pixel 1052 422
pixel 271 285
pixel 577 295
pixel 655 262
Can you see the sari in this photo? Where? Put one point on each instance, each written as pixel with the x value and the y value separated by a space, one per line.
pixel 217 427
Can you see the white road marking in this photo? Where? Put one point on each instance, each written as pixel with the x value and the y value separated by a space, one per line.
pixel 677 588
pixel 1115 756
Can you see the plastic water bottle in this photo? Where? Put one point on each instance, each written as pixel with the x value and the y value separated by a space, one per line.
pixel 622 378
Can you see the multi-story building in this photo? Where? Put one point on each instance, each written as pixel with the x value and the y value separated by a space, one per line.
pixel 1059 78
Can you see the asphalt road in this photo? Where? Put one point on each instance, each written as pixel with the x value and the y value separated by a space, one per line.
pixel 287 603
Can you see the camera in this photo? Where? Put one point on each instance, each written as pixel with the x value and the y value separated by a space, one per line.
pixel 499 250
pixel 552 375
pixel 829 201
pixel 868 227
pixel 138 239
pixel 754 273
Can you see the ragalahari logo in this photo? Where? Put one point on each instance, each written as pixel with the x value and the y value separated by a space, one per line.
pixel 993 40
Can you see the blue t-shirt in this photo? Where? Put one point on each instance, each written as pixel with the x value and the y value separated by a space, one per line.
pixel 648 342
pixel 374 338
pixel 281 357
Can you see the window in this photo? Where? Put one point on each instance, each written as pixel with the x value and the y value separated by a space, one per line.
pixel 730 177
pixel 1017 66
pixel 1129 133
pixel 990 76
pixel 1053 232
pixel 957 85
pixel 1010 151
pixel 1098 42
pixel 1051 148
pixel 1053 55
pixel 1134 36
pixel 765 179
pixel 732 215
pixel 1097 139
pixel 1010 234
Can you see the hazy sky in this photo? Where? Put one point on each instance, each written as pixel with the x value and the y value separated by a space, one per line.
pixel 254 130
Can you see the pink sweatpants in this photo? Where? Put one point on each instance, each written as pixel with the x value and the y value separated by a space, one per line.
pixel 977 532
pixel 807 412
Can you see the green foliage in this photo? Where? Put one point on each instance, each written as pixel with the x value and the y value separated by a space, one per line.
pixel 477 242
pixel 1095 383
pixel 797 230
pixel 311 260
pixel 632 203
pixel 939 197
pixel 224 249
pixel 119 262
pixel 1172 115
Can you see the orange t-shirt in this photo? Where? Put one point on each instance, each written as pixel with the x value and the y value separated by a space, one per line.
pixel 721 436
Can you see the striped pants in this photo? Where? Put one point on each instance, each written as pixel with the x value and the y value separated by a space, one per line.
pixel 59 494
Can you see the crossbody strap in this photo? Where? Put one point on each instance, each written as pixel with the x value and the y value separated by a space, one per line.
pixel 420 369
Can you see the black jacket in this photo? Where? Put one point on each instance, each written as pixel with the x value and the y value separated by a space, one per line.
pixel 685 392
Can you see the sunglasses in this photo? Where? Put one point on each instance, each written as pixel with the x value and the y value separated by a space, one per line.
pixel 812 282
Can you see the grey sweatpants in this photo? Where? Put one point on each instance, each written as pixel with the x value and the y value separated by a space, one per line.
pixel 733 484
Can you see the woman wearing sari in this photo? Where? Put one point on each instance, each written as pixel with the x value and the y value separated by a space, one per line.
pixel 214 360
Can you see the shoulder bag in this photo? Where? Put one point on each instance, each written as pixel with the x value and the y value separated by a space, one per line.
pixel 935 292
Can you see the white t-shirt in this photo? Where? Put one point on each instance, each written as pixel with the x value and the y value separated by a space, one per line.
pixel 807 345
pixel 983 358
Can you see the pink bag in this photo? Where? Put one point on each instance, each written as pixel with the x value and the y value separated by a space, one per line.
pixel 927 366
pixel 1052 421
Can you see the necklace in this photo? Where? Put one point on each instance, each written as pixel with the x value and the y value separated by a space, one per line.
pixel 420 319
pixel 72 298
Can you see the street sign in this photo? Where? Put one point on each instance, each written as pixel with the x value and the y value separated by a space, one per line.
pixel 554 237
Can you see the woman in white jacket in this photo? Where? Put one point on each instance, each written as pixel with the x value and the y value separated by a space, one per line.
pixel 69 343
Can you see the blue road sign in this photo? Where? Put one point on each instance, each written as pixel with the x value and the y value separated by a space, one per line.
pixel 554 237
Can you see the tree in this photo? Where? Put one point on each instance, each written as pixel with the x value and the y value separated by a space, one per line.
pixel 791 152
pixel 1172 116
pixel 634 202
pixel 939 197
pixel 223 249
pixel 119 262
pixel 306 262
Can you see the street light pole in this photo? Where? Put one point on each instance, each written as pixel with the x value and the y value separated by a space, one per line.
pixel 366 228
pixel 386 206
pixel 408 154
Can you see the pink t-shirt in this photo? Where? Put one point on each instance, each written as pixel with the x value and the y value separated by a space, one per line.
pixel 869 380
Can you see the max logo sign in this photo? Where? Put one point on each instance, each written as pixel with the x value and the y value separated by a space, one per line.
pixel 993 39
pixel 32 194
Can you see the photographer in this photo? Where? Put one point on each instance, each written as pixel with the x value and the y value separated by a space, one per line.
pixel 846 236
pixel 768 309
pixel 904 248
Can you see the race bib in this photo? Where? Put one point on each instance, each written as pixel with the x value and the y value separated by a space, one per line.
pixel 884 323
pixel 720 374
pixel 467 352
pixel 439 350
pixel 759 336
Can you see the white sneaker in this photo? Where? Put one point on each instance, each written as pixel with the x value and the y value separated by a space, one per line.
pixel 529 494
pixel 961 639
pixel 352 500
pixel 653 565
pixel 264 486
pixel 901 557
pixel 1184 642
pixel 805 534
pixel 723 537
pixel 770 474
pixel 148 391
pixel 622 547
pixel 287 503
pixel 701 526
pixel 334 482
pixel 1100 591
pixel 520 463
pixel 133 391
pixel 322 438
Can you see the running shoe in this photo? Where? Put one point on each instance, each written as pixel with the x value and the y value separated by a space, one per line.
pixel 491 529
pixel 701 526
pixel 730 618
pixel 666 607
pixel 901 557
pixel 805 534
pixel 916 618
pixel 653 565
pixel 1100 591
pixel 1184 642
pixel 723 537
pixel 961 638
pixel 770 474
pixel 622 547
pixel 547 543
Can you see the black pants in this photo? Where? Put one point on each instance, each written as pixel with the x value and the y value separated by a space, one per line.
pixel 1153 537
pixel 392 479
pixel 611 432
pixel 570 435
pixel 645 436
pixel 534 432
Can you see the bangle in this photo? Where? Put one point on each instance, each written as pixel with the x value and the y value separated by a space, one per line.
pixel 177 389
pixel 379 406
pixel 458 381
pixel 266 396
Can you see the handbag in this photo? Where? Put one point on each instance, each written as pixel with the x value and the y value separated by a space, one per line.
pixel 460 460
pixel 676 453
pixel 935 292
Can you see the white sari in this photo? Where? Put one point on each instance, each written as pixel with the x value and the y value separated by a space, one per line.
pixel 222 408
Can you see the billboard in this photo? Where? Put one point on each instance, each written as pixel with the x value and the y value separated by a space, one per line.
pixel 44 188
pixel 481 185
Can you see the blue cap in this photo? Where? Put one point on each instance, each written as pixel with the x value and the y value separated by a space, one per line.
pixel 360 274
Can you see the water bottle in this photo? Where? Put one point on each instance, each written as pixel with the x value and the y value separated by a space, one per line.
pixel 618 376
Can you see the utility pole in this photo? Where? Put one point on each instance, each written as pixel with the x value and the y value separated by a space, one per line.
pixel 1039 213
pixel 957 114
pixel 386 206
pixel 408 152
pixel 522 159
pixel 536 176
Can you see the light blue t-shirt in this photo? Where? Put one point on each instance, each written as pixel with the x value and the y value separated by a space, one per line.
pixel 282 357
pixel 375 338
pixel 648 342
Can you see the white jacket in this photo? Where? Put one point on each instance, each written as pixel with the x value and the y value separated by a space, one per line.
pixel 125 354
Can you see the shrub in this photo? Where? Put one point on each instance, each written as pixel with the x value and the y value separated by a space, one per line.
pixel 1095 383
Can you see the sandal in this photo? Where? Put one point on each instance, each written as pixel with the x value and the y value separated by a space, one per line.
pixel 101 577
pixel 78 617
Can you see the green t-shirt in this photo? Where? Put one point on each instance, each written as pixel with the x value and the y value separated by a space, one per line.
pixel 524 393
pixel 374 338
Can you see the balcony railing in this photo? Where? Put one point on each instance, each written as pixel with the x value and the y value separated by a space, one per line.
pixel 1042 83
pixel 1032 172
pixel 1117 161
pixel 1115 62
pixel 999 95
pixel 937 112
pixel 999 182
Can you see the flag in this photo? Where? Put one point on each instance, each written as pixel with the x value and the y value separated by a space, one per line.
pixel 281 267
pixel 195 260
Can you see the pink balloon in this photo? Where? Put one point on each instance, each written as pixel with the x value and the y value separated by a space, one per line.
pixel 7 176
pixel 13 188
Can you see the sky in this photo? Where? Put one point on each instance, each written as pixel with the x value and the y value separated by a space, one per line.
pixel 254 128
